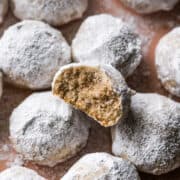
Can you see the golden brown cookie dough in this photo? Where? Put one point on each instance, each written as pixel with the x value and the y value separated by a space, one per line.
pixel 98 90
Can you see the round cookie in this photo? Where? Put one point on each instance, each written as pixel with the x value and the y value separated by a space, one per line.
pixel 3 9
pixel 20 173
pixel 150 6
pixel 31 52
pixel 101 166
pixel 108 40
pixel 55 12
pixel 168 61
pixel 46 130
pixel 150 138
pixel 98 90
pixel 1 84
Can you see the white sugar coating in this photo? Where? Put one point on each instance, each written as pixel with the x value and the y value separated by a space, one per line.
pixel 3 9
pixel 168 61
pixel 31 52
pixel 108 40
pixel 150 6
pixel 46 130
pixel 150 138
pixel 55 12
pixel 101 166
pixel 93 94
pixel 20 173
pixel 1 84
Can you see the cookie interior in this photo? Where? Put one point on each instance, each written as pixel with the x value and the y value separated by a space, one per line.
pixel 90 90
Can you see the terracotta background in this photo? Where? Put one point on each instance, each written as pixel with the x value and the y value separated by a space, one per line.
pixel 150 28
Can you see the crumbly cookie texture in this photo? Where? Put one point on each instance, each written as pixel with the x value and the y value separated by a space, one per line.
pixel 46 130
pixel 101 166
pixel 20 173
pixel 31 52
pixel 150 6
pixel 1 84
pixel 108 40
pixel 55 12
pixel 168 61
pixel 3 9
pixel 150 138
pixel 98 90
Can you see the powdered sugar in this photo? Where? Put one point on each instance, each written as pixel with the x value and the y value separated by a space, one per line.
pixel 150 137
pixel 55 12
pixel 20 173
pixel 168 61
pixel 106 39
pixel 33 61
pixel 150 6
pixel 46 130
pixel 101 166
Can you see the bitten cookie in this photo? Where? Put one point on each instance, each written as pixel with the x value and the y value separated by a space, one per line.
pixel 150 138
pixel 98 90
pixel 101 166
pixel 46 130
pixel 20 173
pixel 168 61
pixel 31 52
pixel 3 9
pixel 150 6
pixel 55 12
pixel 108 40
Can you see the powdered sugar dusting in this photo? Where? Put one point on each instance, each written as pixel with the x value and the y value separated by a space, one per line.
pixel 55 12
pixel 108 40
pixel 101 166
pixel 168 61
pixel 150 6
pixel 29 63
pixel 47 131
pixel 150 137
